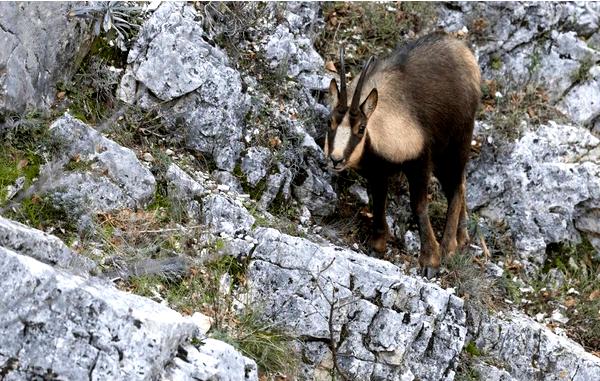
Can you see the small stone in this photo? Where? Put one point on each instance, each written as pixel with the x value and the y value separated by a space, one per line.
pixel 169 152
pixel 201 321
pixel 147 157
pixel 223 187
pixel 360 193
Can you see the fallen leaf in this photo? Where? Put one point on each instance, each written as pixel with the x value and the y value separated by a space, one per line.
pixel 329 65
pixel 60 95
pixel 594 295
pixel 570 302
pixel 22 163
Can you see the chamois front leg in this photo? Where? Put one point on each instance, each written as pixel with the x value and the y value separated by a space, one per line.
pixel 418 175
pixel 380 234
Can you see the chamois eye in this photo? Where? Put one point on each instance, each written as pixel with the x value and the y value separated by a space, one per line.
pixel 361 129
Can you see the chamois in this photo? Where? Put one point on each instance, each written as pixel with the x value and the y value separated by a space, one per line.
pixel 413 111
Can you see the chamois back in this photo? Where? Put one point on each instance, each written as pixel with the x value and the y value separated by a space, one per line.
pixel 429 91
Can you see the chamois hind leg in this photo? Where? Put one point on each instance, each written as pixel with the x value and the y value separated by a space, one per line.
pixel 462 235
pixel 418 174
pixel 450 172
pixel 379 187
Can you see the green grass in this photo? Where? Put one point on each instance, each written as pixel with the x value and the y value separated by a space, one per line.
pixel 582 73
pixel 370 28
pixel 41 213
pixel 272 349
pixel 472 349
pixel 22 151
pixel 202 290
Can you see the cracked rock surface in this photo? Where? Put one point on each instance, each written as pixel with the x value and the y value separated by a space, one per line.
pixel 548 44
pixel 526 350
pixel 385 324
pixel 172 62
pixel 92 173
pixel 37 54
pixel 56 324
pixel 538 185
pixel 41 246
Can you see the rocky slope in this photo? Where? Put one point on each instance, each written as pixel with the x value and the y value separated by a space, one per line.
pixel 205 191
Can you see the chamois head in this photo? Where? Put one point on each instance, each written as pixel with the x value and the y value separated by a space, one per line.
pixel 345 138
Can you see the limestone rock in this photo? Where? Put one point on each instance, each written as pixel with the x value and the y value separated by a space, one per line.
pixel 537 185
pixel 393 325
pixel 256 164
pixel 214 360
pixel 171 61
pixel 104 175
pixel 184 190
pixel 289 47
pixel 78 328
pixel 44 247
pixel 529 351
pixel 39 47
pixel 224 215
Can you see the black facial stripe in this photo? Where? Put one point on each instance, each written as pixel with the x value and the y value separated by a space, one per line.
pixel 330 139
pixel 354 140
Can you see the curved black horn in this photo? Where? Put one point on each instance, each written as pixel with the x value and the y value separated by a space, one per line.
pixel 359 86
pixel 343 100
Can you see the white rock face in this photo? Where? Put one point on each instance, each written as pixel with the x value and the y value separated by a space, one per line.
pixel 171 61
pixel 111 177
pixel 214 360
pixel 538 185
pixel 77 328
pixel 41 246
pixel 529 351
pixel 256 164
pixel 224 215
pixel 72 327
pixel 39 46
pixel 290 47
pixel 384 323
pixel 538 44
pixel 184 190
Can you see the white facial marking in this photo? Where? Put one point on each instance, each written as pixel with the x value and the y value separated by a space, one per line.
pixel 341 139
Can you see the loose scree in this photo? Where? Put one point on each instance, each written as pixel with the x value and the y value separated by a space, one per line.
pixel 413 111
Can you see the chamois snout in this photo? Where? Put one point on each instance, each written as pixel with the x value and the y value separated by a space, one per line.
pixel 337 162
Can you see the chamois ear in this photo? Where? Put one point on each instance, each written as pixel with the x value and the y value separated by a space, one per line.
pixel 333 94
pixel 368 106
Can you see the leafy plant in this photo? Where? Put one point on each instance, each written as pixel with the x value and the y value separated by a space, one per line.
pixel 117 19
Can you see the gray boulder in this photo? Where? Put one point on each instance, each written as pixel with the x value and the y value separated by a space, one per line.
pixel 183 190
pixel 256 164
pixel 54 324
pixel 537 44
pixel 538 186
pixel 214 360
pixel 39 47
pixel 226 215
pixel 44 247
pixel 289 48
pixel 97 174
pixel 77 328
pixel 526 350
pixel 384 324
pixel 171 62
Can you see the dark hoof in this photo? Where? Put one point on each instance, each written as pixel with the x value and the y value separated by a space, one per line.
pixel 429 272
